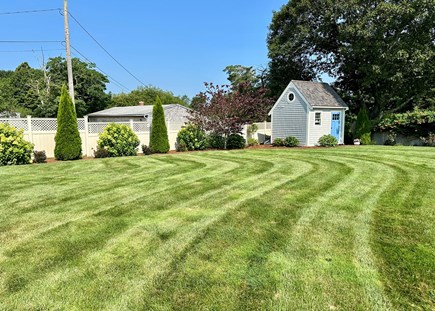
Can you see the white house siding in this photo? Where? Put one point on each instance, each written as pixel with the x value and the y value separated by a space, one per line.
pixel 290 118
pixel 317 131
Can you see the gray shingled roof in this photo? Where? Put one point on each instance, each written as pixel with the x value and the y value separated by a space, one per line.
pixel 129 111
pixel 319 95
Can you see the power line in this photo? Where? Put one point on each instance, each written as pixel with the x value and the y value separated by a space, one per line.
pixel 29 11
pixel 119 84
pixel 24 51
pixel 30 41
pixel 107 52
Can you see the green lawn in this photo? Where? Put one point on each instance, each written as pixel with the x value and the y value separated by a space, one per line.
pixel 349 228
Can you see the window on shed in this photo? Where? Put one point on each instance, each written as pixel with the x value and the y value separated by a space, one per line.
pixel 318 118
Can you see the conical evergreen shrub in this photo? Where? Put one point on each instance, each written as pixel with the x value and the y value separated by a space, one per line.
pixel 363 125
pixel 159 142
pixel 68 141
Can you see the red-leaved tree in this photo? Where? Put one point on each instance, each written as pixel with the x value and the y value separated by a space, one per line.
pixel 223 110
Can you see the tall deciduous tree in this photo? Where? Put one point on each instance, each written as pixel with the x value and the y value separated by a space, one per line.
pixel 381 52
pixel 159 141
pixel 223 110
pixel 68 141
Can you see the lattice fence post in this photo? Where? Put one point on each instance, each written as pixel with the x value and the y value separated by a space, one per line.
pixel 86 134
pixel 29 128
pixel 131 124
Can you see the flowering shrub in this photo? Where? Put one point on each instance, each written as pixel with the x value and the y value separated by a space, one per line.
pixel 14 150
pixel 417 122
pixel 119 140
pixel 278 142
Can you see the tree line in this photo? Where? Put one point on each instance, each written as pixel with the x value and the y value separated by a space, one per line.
pixel 37 91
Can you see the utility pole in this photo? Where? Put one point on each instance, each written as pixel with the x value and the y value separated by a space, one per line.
pixel 68 52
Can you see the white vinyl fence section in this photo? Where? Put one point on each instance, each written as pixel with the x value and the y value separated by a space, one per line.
pixel 41 132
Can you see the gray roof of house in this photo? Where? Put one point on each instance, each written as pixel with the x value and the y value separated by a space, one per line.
pixel 319 95
pixel 130 111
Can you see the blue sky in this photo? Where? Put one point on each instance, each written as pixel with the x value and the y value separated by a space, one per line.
pixel 174 45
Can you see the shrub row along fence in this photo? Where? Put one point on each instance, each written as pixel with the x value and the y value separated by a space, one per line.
pixel 41 132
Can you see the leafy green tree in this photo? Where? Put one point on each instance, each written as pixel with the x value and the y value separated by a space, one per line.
pixel 238 74
pixel 89 84
pixel 159 141
pixel 68 141
pixel 380 52
pixel 148 94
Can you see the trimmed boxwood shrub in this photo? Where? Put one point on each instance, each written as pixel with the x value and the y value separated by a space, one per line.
pixel 14 150
pixel 119 140
pixel 39 156
pixel 328 141
pixel 235 141
pixel 278 142
pixel 159 142
pixel 192 137
pixel 68 141
pixel 215 141
pixel 146 150
pixel 291 141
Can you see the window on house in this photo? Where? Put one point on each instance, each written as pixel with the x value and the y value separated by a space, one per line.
pixel 335 116
pixel 318 118
pixel 291 97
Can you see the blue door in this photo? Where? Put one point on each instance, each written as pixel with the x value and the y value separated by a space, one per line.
pixel 335 125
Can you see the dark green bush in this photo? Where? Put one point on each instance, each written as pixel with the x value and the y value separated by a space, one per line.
pixel 101 153
pixel 68 141
pixel 159 142
pixel 278 142
pixel 119 140
pixel 363 125
pixel 192 137
pixel 14 150
pixel 39 157
pixel 328 141
pixel 252 142
pixel 291 141
pixel 146 150
pixel 215 141
pixel 235 141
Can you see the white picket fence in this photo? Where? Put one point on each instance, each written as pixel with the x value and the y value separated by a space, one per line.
pixel 41 132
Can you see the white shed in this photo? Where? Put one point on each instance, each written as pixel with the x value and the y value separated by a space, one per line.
pixel 307 111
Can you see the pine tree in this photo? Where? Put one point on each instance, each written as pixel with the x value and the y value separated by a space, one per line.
pixel 68 141
pixel 159 142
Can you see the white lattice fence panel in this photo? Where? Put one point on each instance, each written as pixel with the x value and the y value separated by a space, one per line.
pixel 141 127
pixel 81 124
pixel 20 124
pixel 44 125
pixel 98 127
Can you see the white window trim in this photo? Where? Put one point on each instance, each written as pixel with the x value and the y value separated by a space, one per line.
pixel 320 118
pixel 288 97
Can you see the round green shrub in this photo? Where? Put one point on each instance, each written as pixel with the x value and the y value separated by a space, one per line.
pixel 14 150
pixel 328 141
pixel 366 139
pixel 146 150
pixel 252 142
pixel 215 141
pixel 192 137
pixel 278 142
pixel 68 141
pixel 235 141
pixel 291 141
pixel 39 156
pixel 119 140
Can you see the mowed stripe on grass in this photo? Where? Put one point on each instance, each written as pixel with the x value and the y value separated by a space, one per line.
pixel 343 228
